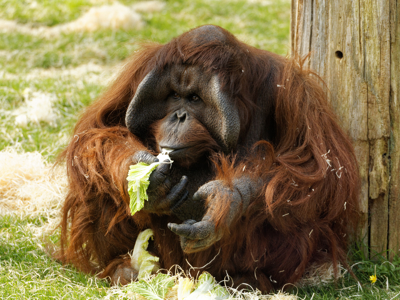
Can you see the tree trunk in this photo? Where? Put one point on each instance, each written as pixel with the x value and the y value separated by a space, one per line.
pixel 355 47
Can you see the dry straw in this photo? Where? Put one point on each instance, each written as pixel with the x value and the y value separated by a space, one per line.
pixel 29 185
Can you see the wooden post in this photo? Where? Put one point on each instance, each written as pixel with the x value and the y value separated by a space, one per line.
pixel 355 47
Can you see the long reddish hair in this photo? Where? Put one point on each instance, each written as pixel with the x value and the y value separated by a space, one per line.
pixel 291 140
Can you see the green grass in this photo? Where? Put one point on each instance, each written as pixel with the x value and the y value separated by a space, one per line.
pixel 45 138
pixel 75 68
pixel 27 271
pixel 45 12
pixel 387 285
pixel 265 27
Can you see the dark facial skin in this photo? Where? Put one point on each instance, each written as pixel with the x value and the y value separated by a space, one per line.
pixel 183 111
pixel 181 130
pixel 184 93
pixel 184 121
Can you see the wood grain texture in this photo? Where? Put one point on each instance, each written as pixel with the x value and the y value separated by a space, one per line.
pixel 354 46
pixel 394 145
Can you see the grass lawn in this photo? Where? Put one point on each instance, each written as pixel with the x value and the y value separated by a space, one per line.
pixel 65 71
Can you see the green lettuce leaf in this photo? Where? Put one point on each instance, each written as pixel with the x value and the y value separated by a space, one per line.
pixel 207 285
pixel 138 182
pixel 154 289
pixel 141 259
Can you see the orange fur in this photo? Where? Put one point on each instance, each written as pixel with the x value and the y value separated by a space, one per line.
pixel 289 138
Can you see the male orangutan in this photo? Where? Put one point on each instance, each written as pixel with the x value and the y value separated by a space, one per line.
pixel 264 182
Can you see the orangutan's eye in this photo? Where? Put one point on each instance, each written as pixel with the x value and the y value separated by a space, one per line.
pixel 194 98
pixel 176 96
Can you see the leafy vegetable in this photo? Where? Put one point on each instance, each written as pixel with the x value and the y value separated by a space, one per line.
pixel 208 288
pixel 165 286
pixel 138 180
pixel 185 287
pixel 154 289
pixel 141 259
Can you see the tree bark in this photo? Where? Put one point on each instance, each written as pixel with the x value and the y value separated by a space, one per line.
pixel 355 47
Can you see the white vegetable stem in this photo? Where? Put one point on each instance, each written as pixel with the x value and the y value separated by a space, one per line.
pixel 164 155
